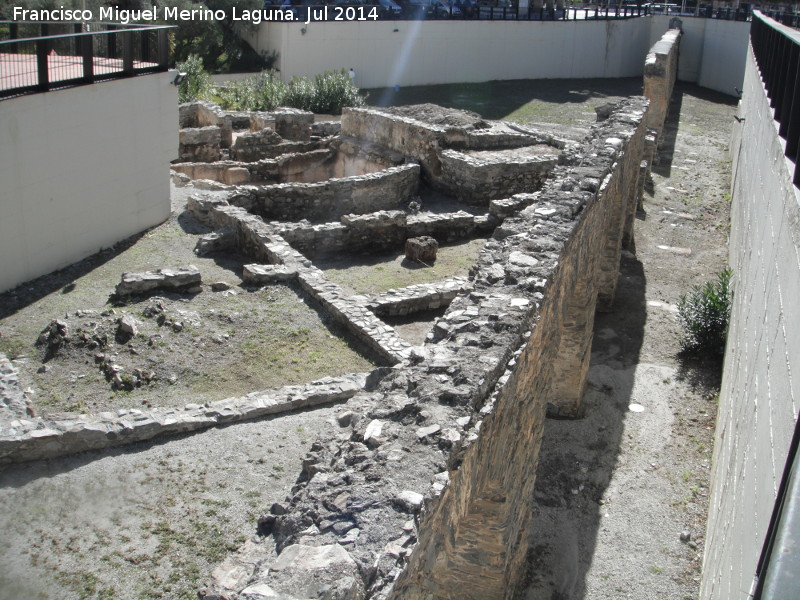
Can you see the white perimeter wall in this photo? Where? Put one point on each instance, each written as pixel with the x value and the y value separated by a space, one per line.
pixel 761 382
pixel 430 52
pixel 81 169
pixel 713 52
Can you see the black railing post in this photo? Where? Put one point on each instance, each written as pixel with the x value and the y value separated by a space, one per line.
pixel 127 52
pixel 42 48
pixel 87 50
pixel 13 34
pixel 163 48
pixel 788 105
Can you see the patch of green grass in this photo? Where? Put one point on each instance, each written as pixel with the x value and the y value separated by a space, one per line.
pixel 15 348
pixel 86 585
pixel 390 271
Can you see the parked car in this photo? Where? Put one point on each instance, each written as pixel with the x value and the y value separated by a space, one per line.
pixel 469 8
pixel 445 10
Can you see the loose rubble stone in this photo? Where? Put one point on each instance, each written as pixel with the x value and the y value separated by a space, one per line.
pixel 325 572
pixel 128 325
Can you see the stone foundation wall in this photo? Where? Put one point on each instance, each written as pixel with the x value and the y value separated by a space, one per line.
pixel 382 230
pixel 329 200
pixel 289 123
pixel 201 144
pixel 27 438
pixel 414 139
pixel 475 180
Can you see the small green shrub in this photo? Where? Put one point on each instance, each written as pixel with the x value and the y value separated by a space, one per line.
pixel 704 314
pixel 197 82
pixel 260 92
pixel 328 93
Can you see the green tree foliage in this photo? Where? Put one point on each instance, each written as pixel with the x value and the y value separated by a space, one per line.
pixel 218 42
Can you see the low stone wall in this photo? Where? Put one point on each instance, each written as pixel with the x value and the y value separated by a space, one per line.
pixel 414 139
pixel 329 200
pixel 259 240
pixel 381 230
pixel 288 123
pixel 200 144
pixel 14 402
pixel 451 157
pixel 480 177
pixel 266 143
pixel 418 298
pixel 24 439
pixel 430 493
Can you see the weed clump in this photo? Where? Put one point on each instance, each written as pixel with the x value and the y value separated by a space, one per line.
pixel 704 315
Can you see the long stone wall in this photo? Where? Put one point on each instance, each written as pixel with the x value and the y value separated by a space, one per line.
pixel 34 438
pixel 760 396
pixel 429 493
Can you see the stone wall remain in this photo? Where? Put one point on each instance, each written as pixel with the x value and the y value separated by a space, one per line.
pixel 477 179
pixel 660 73
pixel 429 492
pixel 760 395
pixel 330 200
pixel 34 438
pixel 382 230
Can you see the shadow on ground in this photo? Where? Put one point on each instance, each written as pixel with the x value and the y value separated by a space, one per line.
pixel 578 457
pixel 498 99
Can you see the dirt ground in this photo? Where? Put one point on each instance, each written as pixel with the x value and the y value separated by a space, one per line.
pixel 615 489
pixel 622 494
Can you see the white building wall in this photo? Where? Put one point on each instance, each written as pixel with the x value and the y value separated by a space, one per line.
pixel 760 395
pixel 404 53
pixel 81 169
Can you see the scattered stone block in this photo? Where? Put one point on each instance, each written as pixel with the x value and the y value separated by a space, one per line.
pixel 174 280
pixel 422 249
pixel 261 274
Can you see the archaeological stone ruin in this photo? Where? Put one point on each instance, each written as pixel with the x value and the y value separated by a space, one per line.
pixel 424 492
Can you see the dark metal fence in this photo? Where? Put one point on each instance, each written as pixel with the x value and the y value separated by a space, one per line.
pixel 439 10
pixel 777 53
pixel 37 57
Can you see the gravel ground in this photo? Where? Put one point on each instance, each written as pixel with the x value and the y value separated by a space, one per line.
pixel 615 489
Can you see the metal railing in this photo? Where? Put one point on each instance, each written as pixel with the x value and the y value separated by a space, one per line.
pixel 438 11
pixel 777 54
pixel 37 57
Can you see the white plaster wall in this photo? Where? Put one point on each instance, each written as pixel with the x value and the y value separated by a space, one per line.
pixel 81 169
pixel 713 52
pixel 429 52
pixel 761 383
